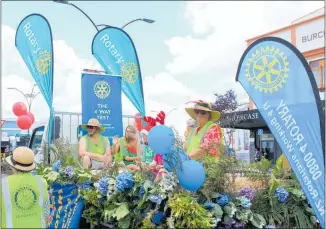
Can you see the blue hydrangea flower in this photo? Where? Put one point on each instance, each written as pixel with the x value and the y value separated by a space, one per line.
pixel 124 181
pixel 158 218
pixel 86 185
pixel 270 226
pixel 141 192
pixel 281 194
pixel 245 202
pixel 56 166
pixel 247 192
pixel 209 205
pixel 69 171
pixel 155 199
pixel 223 199
pixel 103 186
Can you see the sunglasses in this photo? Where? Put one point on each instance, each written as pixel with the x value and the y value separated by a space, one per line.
pixel 90 127
pixel 200 112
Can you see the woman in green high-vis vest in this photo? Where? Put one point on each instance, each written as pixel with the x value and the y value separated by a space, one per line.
pixel 204 139
pixel 120 143
pixel 94 148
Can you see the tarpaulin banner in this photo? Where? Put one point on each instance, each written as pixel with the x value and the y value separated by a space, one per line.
pixel 66 206
pixel 116 52
pixel 34 43
pixel 279 81
pixel 101 99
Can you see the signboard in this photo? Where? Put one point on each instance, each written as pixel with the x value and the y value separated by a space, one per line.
pixel 311 35
pixel 260 131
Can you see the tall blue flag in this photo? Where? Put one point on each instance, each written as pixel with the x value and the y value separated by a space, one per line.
pixel 116 52
pixel 280 83
pixel 34 43
pixel 101 99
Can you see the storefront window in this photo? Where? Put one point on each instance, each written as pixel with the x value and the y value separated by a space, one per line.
pixel 317 77
pixel 318 69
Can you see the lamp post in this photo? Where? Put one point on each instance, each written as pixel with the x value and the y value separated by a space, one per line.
pixel 96 26
pixel 29 97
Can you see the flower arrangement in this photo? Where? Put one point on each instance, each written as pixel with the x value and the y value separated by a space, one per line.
pixel 133 200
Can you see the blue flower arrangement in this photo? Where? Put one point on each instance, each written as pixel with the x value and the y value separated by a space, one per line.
pixel 209 205
pixel 56 166
pixel 85 185
pixel 223 199
pixel 247 192
pixel 141 192
pixel 244 201
pixel 69 171
pixel 103 186
pixel 158 218
pixel 239 225
pixel 281 194
pixel 124 181
pixel 155 199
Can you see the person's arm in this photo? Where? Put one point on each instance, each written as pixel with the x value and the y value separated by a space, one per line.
pixel 115 146
pixel 82 150
pixel 108 150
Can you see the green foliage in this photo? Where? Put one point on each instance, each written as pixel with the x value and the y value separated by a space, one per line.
pixel 187 213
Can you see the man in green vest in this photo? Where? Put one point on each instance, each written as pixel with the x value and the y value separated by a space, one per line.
pixel 25 198
pixel 205 138
pixel 94 149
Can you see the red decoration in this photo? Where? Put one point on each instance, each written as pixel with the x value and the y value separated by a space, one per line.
pixel 29 114
pixel 138 122
pixel 150 123
pixel 24 122
pixel 160 118
pixel 19 109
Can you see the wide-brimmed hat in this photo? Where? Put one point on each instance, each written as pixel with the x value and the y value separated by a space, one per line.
pixel 93 122
pixel 203 106
pixel 22 159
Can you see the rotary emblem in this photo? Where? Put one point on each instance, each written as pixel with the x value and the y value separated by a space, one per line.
pixel 267 69
pixel 43 62
pixel 129 72
pixel 102 89
pixel 25 199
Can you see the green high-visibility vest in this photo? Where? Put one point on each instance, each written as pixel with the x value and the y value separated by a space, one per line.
pixel 23 201
pixel 98 148
pixel 118 156
pixel 195 139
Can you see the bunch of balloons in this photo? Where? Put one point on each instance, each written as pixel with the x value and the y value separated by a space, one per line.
pixel 25 119
pixel 191 174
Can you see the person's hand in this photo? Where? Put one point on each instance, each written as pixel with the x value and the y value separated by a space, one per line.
pixel 158 167
pixel 138 159
pixel 115 140
pixel 105 159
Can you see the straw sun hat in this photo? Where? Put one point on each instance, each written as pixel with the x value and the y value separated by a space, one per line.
pixel 95 123
pixel 22 159
pixel 203 106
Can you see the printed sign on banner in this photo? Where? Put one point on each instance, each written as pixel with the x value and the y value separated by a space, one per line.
pixel 66 206
pixel 272 71
pixel 101 99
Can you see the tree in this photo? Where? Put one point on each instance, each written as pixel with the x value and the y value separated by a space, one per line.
pixel 227 103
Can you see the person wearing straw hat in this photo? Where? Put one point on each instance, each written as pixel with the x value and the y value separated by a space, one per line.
pixel 94 148
pixel 25 198
pixel 206 136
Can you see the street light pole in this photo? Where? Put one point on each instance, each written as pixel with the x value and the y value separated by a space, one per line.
pixel 147 20
pixel 29 97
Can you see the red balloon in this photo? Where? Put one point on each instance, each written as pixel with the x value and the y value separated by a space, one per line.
pixel 138 122
pixel 19 109
pixel 24 122
pixel 29 114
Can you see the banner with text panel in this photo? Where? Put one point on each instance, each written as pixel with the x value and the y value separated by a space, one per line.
pixel 279 81
pixel 101 99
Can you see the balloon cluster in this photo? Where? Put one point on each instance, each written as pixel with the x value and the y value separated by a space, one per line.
pixel 161 140
pixel 25 119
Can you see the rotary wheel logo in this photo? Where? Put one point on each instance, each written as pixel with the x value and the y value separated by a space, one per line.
pixel 25 199
pixel 102 89
pixel 43 62
pixel 129 72
pixel 267 69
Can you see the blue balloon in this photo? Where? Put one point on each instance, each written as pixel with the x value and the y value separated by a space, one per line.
pixel 192 175
pixel 170 159
pixel 161 139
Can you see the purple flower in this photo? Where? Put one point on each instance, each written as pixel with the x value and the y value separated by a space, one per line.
pixel 155 199
pixel 270 226
pixel 239 225
pixel 247 192
pixel 69 171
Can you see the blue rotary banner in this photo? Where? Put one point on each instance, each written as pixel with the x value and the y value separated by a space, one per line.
pixel 34 43
pixel 101 99
pixel 116 52
pixel 279 81
pixel 66 206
